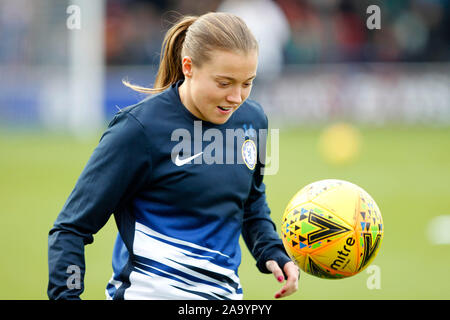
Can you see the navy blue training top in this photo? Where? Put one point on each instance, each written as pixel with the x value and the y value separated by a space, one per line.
pixel 182 191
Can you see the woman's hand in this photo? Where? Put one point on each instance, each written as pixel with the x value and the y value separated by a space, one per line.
pixel 292 272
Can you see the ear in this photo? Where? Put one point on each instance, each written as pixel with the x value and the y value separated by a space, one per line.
pixel 186 64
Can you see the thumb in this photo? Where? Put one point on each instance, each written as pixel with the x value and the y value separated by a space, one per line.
pixel 273 267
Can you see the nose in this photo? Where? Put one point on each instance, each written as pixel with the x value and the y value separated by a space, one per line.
pixel 235 96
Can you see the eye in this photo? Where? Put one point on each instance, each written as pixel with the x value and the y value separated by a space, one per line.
pixel 223 84
pixel 247 84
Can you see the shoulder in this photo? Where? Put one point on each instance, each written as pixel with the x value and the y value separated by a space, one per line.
pixel 150 120
pixel 255 106
pixel 253 111
pixel 152 111
pixel 137 118
pixel 144 108
pixel 123 128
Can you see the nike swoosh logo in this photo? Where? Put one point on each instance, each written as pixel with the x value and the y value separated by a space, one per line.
pixel 179 162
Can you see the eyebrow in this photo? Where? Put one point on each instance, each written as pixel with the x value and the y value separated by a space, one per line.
pixel 233 79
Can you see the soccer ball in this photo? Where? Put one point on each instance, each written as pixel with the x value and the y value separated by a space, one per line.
pixel 332 229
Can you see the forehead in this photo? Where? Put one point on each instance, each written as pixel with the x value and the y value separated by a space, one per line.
pixel 236 65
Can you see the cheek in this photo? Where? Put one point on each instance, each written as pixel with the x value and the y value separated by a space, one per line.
pixel 248 90
pixel 216 98
pixel 208 96
pixel 246 93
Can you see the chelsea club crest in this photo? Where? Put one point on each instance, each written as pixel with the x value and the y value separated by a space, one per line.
pixel 249 153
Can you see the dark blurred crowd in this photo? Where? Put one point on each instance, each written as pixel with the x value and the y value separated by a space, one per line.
pixel 318 31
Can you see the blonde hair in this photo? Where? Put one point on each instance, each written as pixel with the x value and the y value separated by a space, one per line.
pixel 196 37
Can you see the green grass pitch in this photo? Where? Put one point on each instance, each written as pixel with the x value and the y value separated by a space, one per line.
pixel 405 169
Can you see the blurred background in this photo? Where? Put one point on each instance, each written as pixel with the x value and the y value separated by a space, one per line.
pixel 360 95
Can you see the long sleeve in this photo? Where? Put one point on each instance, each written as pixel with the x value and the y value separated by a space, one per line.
pixel 116 170
pixel 259 231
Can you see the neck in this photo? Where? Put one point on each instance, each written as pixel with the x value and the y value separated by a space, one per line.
pixel 186 100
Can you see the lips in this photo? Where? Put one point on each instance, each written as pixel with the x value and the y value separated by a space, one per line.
pixel 224 110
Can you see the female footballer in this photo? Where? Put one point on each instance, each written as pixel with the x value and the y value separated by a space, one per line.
pixel 179 215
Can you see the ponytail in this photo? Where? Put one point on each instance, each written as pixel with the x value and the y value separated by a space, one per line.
pixel 213 30
pixel 170 68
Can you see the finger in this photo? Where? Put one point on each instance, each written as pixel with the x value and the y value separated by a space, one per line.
pixel 291 285
pixel 292 273
pixel 273 267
